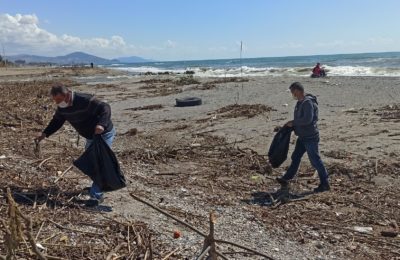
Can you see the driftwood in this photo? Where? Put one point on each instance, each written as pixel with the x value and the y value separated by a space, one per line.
pixel 14 231
pixel 197 230
pixel 113 253
pixel 75 230
pixel 171 253
pixel 204 253
pixel 209 242
pixel 63 173
pixel 44 161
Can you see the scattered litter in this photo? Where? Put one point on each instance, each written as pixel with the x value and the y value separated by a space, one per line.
pixel 38 245
pixel 363 229
pixel 177 234
pixel 351 110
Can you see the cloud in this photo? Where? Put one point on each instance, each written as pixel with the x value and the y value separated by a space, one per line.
pixel 23 34
pixel 218 49
pixel 381 41
pixel 170 44
pixel 291 45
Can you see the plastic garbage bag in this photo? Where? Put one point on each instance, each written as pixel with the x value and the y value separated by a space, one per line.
pixel 101 165
pixel 279 148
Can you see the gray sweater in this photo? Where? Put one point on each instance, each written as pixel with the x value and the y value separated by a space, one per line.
pixel 306 117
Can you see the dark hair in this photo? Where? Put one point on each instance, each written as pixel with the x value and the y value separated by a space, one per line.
pixel 296 85
pixel 58 89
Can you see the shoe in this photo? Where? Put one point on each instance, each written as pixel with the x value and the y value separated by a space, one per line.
pixel 94 202
pixel 322 188
pixel 86 191
pixel 282 181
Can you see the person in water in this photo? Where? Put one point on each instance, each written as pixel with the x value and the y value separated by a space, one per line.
pixel 318 72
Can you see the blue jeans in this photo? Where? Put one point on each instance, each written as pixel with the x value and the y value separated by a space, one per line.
pixel 108 137
pixel 311 147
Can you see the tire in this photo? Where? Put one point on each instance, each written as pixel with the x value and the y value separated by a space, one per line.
pixel 188 102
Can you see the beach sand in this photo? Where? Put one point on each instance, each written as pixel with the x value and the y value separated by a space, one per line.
pixel 194 160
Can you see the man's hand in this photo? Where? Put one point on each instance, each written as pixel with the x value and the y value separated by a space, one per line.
pixel 289 124
pixel 98 130
pixel 40 137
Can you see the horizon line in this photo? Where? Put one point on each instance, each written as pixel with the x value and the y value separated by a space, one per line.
pixel 208 59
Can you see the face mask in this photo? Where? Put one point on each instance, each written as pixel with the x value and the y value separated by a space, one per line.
pixel 62 104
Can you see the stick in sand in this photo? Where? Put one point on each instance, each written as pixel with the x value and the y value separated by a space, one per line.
pixel 195 229
pixel 62 174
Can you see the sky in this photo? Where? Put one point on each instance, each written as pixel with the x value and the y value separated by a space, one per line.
pixel 203 29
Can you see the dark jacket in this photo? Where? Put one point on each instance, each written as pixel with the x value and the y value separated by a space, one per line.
pixel 306 117
pixel 85 113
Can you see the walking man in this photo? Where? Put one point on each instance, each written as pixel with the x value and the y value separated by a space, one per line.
pixel 305 127
pixel 88 116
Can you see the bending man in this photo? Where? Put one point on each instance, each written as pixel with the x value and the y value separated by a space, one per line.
pixel 88 116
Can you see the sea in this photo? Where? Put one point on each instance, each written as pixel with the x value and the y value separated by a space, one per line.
pixel 366 64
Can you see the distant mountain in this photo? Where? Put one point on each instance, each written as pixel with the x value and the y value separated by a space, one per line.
pixel 69 59
pixel 133 59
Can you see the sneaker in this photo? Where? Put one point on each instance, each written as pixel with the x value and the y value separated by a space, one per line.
pixel 94 202
pixel 282 181
pixel 86 191
pixel 322 188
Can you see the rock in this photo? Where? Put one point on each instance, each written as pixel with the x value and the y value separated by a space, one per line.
pixel 394 225
pixel 389 233
pixel 319 245
pixel 313 233
pixel 132 132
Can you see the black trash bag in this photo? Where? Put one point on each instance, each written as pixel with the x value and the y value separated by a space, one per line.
pixel 279 148
pixel 101 165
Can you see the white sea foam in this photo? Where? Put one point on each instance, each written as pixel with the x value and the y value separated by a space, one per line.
pixel 362 71
pixel 270 71
pixel 144 69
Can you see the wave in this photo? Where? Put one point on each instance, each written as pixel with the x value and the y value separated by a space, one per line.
pixel 362 71
pixel 268 71
pixel 144 69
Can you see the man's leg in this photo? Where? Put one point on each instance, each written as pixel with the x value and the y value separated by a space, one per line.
pixel 297 154
pixel 108 137
pixel 316 162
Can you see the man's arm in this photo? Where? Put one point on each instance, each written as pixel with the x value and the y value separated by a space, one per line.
pixel 308 115
pixel 55 124
pixel 103 112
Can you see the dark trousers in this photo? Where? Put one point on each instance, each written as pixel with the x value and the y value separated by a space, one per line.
pixel 311 147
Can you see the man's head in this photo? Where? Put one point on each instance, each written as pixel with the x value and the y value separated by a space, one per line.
pixel 297 90
pixel 61 95
pixel 318 64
